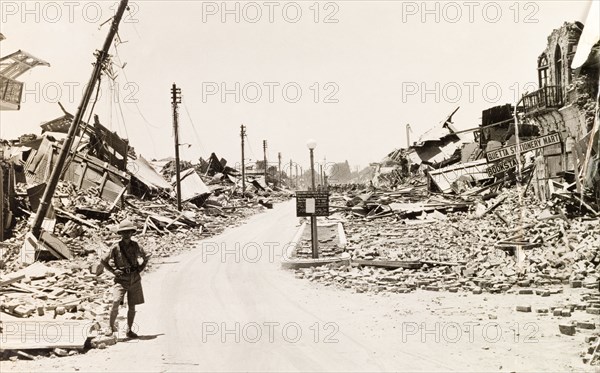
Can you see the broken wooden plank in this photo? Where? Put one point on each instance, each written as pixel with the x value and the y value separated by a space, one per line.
pixel 116 201
pixel 388 263
pixel 11 280
pixel 55 246
pixel 493 206
pixel 76 218
pixel 441 263
pixel 501 218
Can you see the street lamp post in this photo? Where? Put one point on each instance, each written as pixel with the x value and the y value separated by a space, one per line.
pixel 312 144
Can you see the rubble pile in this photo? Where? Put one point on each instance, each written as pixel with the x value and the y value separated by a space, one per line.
pixel 499 243
pixel 85 225
pixel 170 168
pixel 328 242
pixel 82 227
pixel 494 246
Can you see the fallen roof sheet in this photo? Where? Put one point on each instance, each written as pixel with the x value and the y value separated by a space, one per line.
pixel 142 170
pixel 192 185
pixel 444 177
pixel 15 64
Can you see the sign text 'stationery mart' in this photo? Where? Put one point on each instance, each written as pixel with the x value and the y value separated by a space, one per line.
pixel 525 146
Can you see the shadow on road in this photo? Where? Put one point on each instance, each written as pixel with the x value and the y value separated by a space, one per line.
pixel 140 338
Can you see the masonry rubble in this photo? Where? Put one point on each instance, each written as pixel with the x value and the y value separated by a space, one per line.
pixel 406 240
pixel 81 226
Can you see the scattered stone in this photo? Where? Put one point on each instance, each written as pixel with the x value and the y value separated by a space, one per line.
pixel 104 340
pixel 25 355
pixel 60 352
pixel 557 312
pixel 586 325
pixel 575 283
pixel 567 329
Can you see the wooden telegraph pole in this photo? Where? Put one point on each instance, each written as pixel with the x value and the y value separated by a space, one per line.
pixel 176 100
pixel 101 59
pixel 265 159
pixel 243 134
pixel 279 167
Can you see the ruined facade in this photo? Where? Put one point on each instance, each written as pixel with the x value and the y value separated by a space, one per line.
pixel 11 67
pixel 559 105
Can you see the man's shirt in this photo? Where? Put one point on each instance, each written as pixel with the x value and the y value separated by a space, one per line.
pixel 132 252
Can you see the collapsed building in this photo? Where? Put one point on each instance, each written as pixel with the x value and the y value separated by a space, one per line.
pixel 554 129
pixel 12 66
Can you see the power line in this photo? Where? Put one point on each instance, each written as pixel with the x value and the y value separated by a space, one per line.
pixel 139 112
pixel 202 149
pixel 120 66
pixel 250 147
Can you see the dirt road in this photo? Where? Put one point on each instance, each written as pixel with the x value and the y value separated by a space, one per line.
pixel 227 305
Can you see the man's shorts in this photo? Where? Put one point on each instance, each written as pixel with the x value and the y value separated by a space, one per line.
pixel 130 284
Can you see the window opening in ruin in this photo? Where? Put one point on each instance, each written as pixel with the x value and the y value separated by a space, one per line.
pixel 558 65
pixel 543 71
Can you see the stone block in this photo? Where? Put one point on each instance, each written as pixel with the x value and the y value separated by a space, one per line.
pixel 567 329
pixel 100 340
pixel 586 325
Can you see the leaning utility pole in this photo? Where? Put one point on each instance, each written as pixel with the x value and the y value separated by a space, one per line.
pixel 176 100
pixel 296 175
pixel 101 58
pixel 265 159
pixel 243 134
pixel 290 175
pixel 321 174
pixel 279 158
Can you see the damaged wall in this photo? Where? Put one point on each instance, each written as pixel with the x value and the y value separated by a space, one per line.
pixel 554 64
pixel 553 107
pixel 85 171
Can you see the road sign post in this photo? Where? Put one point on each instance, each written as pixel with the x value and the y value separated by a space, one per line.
pixel 312 204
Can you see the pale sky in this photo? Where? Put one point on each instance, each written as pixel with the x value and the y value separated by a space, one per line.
pixel 379 64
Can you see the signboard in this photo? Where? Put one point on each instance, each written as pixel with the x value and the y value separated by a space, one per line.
pixel 312 203
pixel 525 146
pixel 503 166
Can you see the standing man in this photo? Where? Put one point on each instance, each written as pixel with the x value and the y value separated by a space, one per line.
pixel 123 261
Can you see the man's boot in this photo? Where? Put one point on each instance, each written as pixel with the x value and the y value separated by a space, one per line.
pixel 130 318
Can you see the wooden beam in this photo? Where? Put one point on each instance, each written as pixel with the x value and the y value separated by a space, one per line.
pixel 388 263
pixel 11 280
pixel 82 177
pixel 119 196
pixel 102 183
pixel 77 219
pixel 1 203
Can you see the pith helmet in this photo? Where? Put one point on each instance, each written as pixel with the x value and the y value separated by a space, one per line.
pixel 125 226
